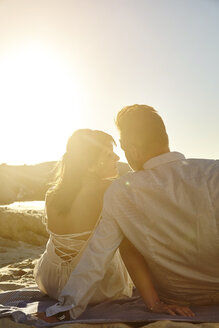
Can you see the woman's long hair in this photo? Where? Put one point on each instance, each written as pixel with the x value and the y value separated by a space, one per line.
pixel 82 153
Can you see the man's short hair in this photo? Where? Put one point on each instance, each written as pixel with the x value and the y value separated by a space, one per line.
pixel 142 125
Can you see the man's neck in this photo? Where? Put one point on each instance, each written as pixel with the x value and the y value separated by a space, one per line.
pixel 153 154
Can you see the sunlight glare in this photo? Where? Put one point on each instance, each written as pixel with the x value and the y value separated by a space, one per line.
pixel 40 105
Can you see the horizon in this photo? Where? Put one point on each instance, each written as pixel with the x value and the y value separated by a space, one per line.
pixel 66 65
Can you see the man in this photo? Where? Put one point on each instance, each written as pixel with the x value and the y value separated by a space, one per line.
pixel 168 209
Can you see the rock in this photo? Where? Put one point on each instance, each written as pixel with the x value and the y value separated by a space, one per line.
pixel 22 225
pixel 18 273
pixel 25 182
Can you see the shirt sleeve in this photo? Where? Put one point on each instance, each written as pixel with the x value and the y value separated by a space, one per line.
pixel 91 268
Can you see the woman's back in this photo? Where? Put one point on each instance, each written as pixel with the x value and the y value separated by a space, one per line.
pixel 84 211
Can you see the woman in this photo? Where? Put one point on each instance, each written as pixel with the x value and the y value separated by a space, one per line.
pixel 73 207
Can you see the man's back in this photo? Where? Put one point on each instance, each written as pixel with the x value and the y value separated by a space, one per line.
pixel 170 212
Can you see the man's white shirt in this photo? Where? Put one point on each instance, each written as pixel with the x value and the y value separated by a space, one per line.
pixel 170 212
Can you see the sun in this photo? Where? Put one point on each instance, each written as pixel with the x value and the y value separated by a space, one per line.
pixel 40 105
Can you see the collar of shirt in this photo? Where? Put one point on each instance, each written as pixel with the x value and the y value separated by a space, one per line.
pixel 163 159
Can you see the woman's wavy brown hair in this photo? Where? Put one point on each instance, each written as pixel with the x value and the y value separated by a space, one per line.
pixel 83 150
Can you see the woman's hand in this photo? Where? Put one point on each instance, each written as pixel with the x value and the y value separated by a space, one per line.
pixel 63 316
pixel 172 309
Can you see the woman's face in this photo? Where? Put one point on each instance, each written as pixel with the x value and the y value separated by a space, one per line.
pixel 107 163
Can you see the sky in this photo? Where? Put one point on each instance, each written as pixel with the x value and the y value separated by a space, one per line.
pixel 70 64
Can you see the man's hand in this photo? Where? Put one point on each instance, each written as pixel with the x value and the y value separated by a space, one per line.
pixel 172 309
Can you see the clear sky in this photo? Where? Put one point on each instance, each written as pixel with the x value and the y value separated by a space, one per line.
pixel 69 64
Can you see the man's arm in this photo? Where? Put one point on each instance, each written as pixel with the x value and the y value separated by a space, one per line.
pixel 90 270
pixel 140 274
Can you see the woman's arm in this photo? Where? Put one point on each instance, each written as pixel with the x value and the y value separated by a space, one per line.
pixel 139 272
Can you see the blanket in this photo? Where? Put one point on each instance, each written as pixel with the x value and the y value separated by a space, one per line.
pixel 21 304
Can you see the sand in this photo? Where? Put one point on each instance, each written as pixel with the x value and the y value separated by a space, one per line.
pixel 22 240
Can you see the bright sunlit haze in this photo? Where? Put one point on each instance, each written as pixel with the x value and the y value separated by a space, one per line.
pixel 66 65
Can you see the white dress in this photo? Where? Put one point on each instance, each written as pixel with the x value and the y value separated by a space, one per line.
pixel 53 271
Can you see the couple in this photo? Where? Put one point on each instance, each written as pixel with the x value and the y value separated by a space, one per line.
pixel 163 217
